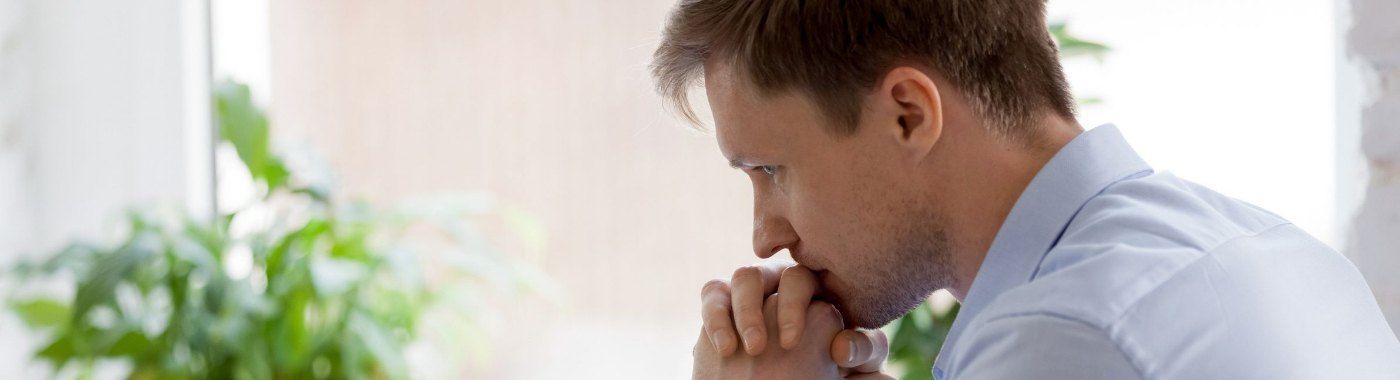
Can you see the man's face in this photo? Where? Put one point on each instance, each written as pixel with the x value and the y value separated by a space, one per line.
pixel 851 208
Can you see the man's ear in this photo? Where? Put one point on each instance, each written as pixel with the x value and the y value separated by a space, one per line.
pixel 912 109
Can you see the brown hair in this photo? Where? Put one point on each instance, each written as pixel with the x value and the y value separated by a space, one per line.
pixel 998 53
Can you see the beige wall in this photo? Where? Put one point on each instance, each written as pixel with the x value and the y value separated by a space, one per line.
pixel 548 104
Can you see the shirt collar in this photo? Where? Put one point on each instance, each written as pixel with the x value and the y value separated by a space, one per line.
pixel 1079 171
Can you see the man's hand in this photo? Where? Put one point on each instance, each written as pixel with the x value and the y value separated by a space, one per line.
pixel 809 361
pixel 729 308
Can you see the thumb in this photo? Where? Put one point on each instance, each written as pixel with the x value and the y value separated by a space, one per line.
pixel 863 351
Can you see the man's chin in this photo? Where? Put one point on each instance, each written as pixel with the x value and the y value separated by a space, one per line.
pixel 864 321
pixel 869 315
pixel 854 319
pixel 855 316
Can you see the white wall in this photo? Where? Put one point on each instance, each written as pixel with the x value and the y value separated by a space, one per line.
pixel 1373 44
pixel 1234 94
pixel 15 78
pixel 103 105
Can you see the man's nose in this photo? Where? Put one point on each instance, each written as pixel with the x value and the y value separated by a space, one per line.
pixel 772 234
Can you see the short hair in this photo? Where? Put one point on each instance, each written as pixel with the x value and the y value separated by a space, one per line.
pixel 997 53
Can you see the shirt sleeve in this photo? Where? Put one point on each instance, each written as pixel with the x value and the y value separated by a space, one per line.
pixel 1044 347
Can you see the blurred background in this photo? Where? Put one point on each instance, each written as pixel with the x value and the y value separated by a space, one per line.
pixel 490 189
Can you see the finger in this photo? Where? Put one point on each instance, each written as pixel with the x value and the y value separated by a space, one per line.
pixel 795 290
pixel 860 350
pixel 822 324
pixel 880 351
pixel 705 358
pixel 770 312
pixel 749 286
pixel 714 310
pixel 822 320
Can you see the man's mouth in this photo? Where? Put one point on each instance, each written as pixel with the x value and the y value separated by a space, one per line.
pixel 800 256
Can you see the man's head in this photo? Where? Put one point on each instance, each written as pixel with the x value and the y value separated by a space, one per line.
pixel 862 125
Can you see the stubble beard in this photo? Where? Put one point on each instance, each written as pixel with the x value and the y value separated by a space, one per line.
pixel 919 263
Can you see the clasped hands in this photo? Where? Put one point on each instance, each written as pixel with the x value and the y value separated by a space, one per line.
pixel 765 324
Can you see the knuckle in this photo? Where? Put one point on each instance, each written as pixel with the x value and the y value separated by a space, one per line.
pixel 771 303
pixel 712 286
pixel 794 272
pixel 791 306
pixel 746 309
pixel 746 273
pixel 823 314
pixel 795 301
pixel 771 298
pixel 715 310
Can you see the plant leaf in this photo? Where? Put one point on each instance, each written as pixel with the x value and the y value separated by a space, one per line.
pixel 98 287
pixel 59 351
pixel 41 312
pixel 1073 46
pixel 132 343
pixel 242 124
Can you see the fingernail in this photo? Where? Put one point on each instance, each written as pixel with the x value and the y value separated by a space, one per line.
pixel 789 334
pixel 723 342
pixel 751 335
pixel 850 351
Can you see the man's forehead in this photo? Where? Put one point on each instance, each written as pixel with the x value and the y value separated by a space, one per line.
pixel 724 82
pixel 733 107
pixel 750 124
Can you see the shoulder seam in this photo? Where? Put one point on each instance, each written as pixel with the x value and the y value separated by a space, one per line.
pixel 1205 253
pixel 1129 358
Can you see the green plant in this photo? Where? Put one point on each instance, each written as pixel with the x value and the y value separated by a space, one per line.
pixel 295 285
pixel 916 338
pixel 1072 46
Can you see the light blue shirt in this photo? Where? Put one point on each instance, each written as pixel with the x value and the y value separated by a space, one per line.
pixel 1105 269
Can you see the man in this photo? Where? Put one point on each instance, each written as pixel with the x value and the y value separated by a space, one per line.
pixel 898 147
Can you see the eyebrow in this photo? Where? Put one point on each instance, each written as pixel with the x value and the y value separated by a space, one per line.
pixel 739 163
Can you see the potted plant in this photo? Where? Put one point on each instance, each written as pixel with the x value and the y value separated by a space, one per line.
pixel 297 284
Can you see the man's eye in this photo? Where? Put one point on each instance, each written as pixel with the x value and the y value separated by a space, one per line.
pixel 767 169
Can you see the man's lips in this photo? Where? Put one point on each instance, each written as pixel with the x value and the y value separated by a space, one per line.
pixel 800 257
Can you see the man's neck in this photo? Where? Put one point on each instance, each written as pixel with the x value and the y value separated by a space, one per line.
pixel 992 180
